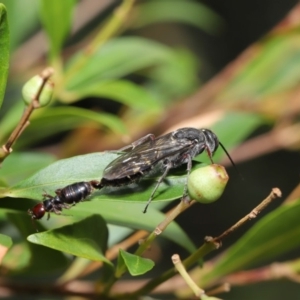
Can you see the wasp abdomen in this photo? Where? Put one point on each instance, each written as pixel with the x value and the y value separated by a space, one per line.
pixel 75 193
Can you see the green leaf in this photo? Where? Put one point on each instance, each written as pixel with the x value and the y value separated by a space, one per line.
pixel 136 265
pixel 122 91
pixel 273 236
pixel 18 166
pixel 187 12
pixel 130 215
pixel 117 58
pixel 274 70
pixel 246 122
pixel 90 167
pixel 68 117
pixel 62 173
pixel 4 51
pixel 56 16
pixel 20 17
pixel 86 238
pixel 5 241
pixel 58 119
pixel 33 258
pixel 176 77
pixel 112 203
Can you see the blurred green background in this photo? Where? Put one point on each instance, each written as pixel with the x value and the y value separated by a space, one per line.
pixel 124 69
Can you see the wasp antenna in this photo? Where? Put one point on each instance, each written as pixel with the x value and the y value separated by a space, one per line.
pixel 231 160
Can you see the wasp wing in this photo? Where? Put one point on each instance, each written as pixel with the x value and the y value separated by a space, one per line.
pixel 145 156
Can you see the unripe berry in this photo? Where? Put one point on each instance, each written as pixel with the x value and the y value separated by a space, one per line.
pixel 207 184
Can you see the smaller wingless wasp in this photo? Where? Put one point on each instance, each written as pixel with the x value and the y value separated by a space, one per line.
pixel 142 156
pixel 64 198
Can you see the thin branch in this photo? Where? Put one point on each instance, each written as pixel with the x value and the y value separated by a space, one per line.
pixel 209 245
pixel 275 271
pixel 24 121
pixel 275 193
pixel 181 207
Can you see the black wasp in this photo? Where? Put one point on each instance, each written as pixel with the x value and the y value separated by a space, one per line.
pixel 165 152
pixel 64 198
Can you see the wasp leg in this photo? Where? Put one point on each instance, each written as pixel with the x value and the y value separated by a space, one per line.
pixel 169 165
pixel 149 137
pixel 209 154
pixel 57 210
pixel 67 206
pixel 58 192
pixel 189 168
pixel 47 196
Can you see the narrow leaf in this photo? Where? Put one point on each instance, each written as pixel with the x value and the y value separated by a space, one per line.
pixel 124 92
pixel 274 235
pixel 73 115
pixel 187 12
pixel 117 58
pixel 22 21
pixel 56 16
pixel 59 119
pixel 4 51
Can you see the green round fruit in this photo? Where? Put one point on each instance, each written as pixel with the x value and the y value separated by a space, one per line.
pixel 31 88
pixel 207 184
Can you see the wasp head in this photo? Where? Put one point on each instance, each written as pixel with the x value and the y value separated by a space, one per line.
pixel 211 141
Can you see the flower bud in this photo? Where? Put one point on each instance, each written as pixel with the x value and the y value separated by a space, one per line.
pixel 207 184
pixel 31 88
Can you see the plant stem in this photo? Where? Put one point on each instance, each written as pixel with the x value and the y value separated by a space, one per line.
pixel 121 268
pixel 275 193
pixel 209 245
pixel 186 277
pixel 24 121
